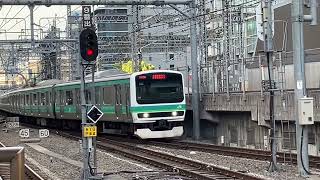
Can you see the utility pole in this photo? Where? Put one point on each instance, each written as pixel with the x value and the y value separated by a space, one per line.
pixel 300 86
pixel 134 35
pixel 85 152
pixel 194 68
pixel 195 76
pixel 267 21
pixel 31 7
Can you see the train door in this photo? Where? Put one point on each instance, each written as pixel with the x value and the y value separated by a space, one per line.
pixel 78 103
pixel 108 103
pixel 59 98
pixel 27 105
pixel 51 103
pixel 13 103
pixel 46 102
pixel 118 101
pixel 42 104
pixel 68 104
pixel 125 101
pixel 35 104
pixel 23 103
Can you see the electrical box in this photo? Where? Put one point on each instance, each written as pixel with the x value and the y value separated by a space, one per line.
pixel 305 109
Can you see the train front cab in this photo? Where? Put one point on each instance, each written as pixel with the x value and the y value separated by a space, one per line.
pixel 157 104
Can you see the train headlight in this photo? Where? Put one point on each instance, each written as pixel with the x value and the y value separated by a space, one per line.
pixel 174 113
pixel 145 115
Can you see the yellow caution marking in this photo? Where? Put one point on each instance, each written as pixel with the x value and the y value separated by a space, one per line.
pixel 90 131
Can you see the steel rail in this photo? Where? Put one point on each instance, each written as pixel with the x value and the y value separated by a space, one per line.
pixel 183 166
pixel 255 154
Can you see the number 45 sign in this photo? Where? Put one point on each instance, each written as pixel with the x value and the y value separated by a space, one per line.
pixel 25 133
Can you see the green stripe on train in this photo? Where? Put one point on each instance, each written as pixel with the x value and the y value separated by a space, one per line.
pixel 108 109
pixel 158 108
pixel 69 109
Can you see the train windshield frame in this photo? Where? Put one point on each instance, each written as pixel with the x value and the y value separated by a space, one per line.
pixel 153 88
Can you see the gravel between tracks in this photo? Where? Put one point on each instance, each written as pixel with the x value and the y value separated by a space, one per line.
pixel 253 167
pixel 55 168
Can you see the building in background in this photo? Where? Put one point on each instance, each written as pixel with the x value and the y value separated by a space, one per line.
pixel 113 33
pixel 159 40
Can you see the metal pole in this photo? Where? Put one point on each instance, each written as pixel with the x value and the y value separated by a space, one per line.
pixel 269 54
pixel 135 12
pixel 195 78
pixel 300 91
pixel 31 25
pixel 133 36
pixel 85 170
pixel 93 98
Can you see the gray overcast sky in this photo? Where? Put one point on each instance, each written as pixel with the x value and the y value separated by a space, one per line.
pixel 41 12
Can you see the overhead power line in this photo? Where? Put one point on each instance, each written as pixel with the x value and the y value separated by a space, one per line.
pixel 12 17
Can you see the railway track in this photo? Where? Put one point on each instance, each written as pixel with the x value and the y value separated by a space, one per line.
pixel 30 174
pixel 314 161
pixel 256 154
pixel 182 166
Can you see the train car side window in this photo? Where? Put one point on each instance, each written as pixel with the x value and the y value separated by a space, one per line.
pixel 78 97
pixel 13 100
pixel 42 99
pixel 69 98
pixel 27 100
pixel 108 95
pixel 88 96
pixel 34 99
pixel 97 95
pixel 57 97
pixel 38 99
pixel 128 95
pixel 118 94
pixel 60 97
pixel 48 97
pixel 124 95
pixel 21 99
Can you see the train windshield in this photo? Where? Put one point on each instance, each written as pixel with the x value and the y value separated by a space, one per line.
pixel 155 88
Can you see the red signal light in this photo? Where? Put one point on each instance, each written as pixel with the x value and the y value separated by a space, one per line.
pixel 159 76
pixel 89 52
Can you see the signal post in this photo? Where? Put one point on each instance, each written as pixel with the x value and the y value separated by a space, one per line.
pixel 89 52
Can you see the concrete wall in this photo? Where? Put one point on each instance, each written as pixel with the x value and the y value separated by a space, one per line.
pixel 312 74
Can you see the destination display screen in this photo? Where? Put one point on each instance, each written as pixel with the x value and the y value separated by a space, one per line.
pixel 154 88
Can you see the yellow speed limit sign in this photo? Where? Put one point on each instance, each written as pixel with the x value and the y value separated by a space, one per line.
pixel 90 131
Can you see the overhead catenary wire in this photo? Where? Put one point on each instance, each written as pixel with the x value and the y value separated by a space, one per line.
pixel 4 20
pixel 22 19
pixel 13 17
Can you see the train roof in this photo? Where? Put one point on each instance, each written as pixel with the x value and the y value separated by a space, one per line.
pixel 107 75
pixel 49 82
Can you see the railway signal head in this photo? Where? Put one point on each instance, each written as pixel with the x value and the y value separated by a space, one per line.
pixel 88 45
